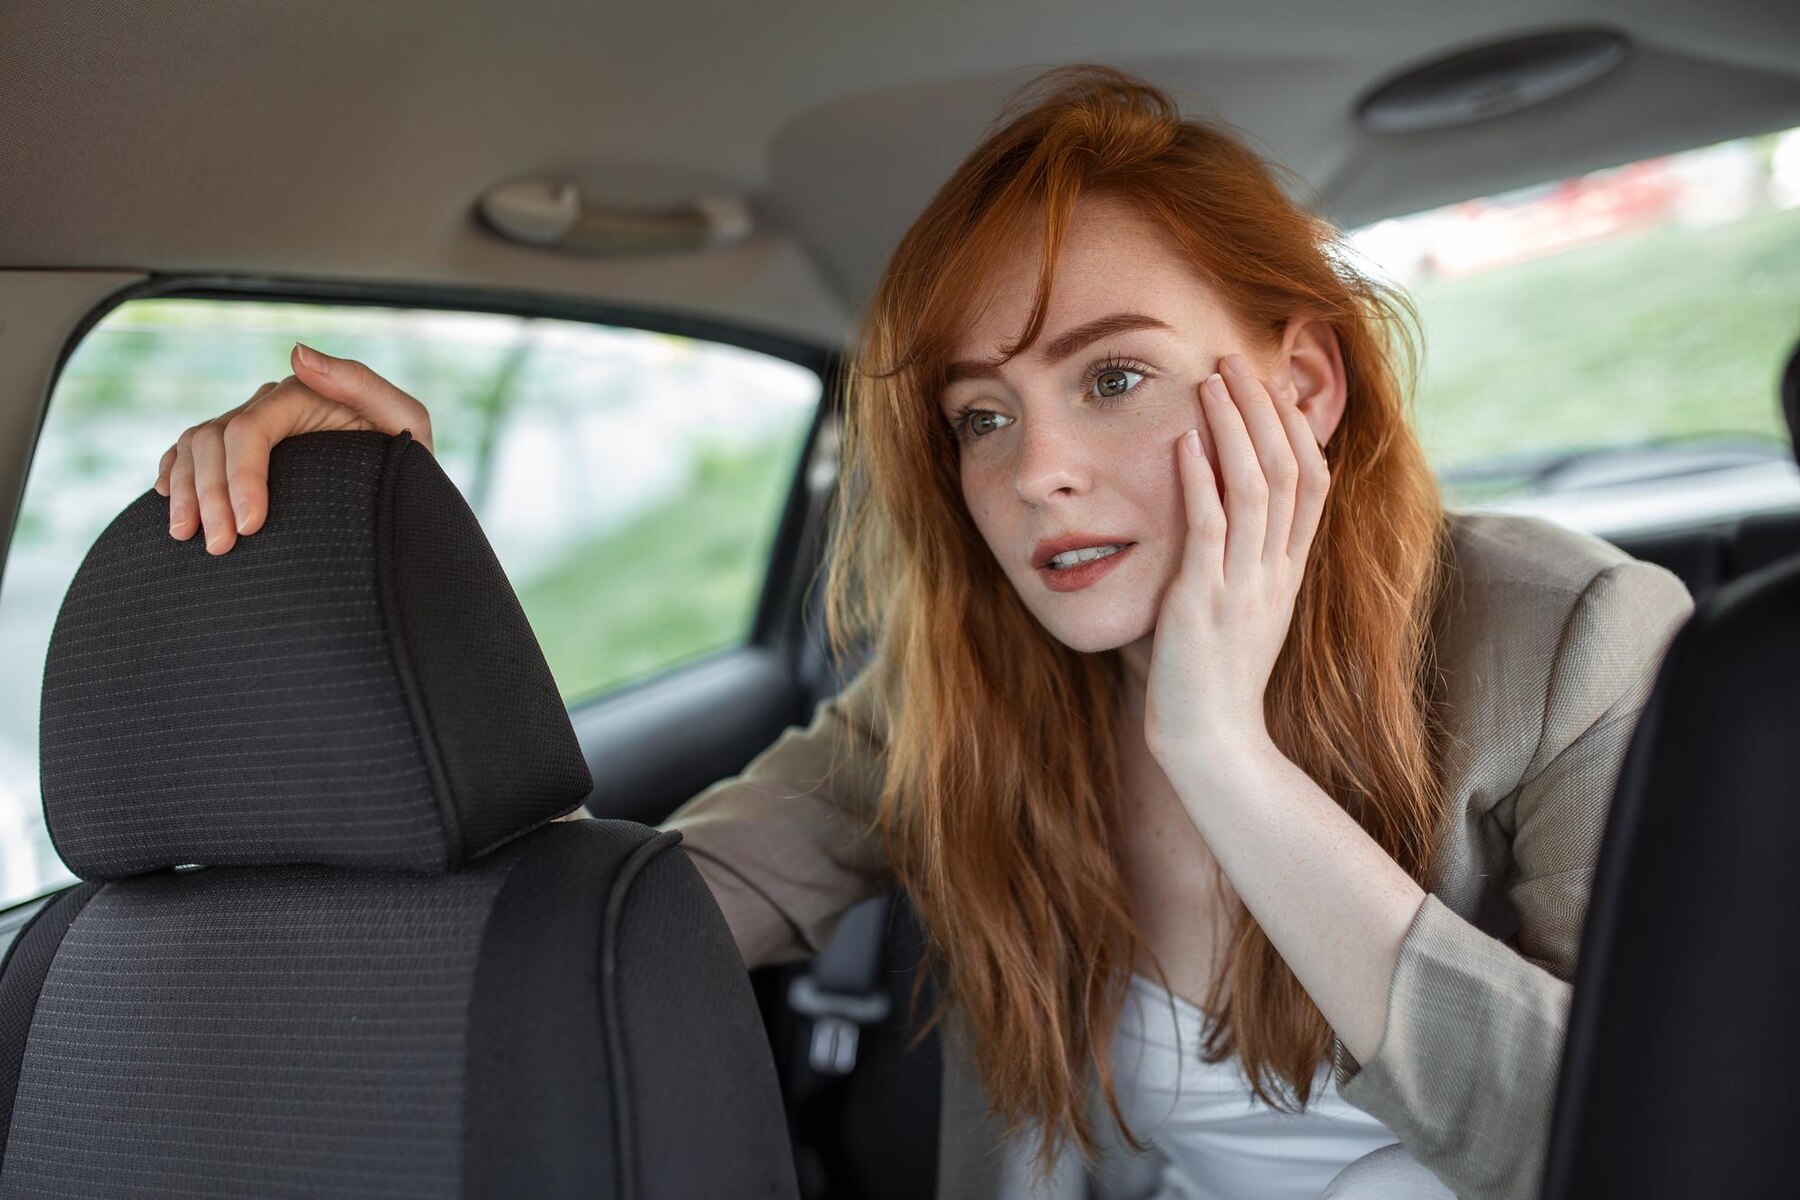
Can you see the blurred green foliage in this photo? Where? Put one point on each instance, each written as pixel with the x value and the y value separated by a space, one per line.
pixel 680 581
pixel 1666 332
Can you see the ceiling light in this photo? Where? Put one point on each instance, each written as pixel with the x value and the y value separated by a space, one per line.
pixel 1501 77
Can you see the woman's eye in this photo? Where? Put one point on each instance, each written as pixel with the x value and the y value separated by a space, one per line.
pixel 970 422
pixel 976 420
pixel 1115 382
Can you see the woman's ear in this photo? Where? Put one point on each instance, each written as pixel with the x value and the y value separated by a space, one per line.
pixel 1310 367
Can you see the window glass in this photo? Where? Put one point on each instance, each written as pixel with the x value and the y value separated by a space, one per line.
pixel 1605 350
pixel 631 482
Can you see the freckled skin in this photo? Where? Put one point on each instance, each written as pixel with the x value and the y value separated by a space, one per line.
pixel 1057 458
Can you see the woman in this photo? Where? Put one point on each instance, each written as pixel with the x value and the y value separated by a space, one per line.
pixel 1193 790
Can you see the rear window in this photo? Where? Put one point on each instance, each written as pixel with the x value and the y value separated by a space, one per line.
pixel 631 482
pixel 1605 350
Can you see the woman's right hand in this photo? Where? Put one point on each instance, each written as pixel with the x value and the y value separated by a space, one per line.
pixel 216 475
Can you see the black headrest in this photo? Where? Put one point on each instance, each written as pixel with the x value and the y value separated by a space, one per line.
pixel 355 684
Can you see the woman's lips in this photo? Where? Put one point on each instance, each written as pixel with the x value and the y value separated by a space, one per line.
pixel 1075 578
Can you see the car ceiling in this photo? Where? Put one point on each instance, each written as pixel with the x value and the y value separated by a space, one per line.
pixel 343 140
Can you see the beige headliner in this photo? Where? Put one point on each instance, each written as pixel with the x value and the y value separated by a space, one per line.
pixel 336 139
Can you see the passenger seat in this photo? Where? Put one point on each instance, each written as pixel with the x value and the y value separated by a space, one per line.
pixel 330 942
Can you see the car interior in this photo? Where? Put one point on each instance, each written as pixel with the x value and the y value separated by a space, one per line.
pixel 619 252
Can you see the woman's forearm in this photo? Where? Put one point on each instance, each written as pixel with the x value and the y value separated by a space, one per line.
pixel 1334 904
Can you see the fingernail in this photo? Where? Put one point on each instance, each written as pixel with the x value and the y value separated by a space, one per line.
pixel 1216 384
pixel 1193 442
pixel 311 357
pixel 243 517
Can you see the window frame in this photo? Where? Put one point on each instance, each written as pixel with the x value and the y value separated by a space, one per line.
pixel 777 621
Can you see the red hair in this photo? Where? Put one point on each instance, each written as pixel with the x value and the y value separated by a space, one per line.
pixel 1000 800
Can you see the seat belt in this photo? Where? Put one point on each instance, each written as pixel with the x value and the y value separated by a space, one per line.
pixel 844 991
pixel 839 993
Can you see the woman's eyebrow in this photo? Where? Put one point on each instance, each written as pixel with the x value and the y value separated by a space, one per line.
pixel 1064 344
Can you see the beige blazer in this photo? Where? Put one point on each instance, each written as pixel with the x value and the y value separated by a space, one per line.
pixel 1550 641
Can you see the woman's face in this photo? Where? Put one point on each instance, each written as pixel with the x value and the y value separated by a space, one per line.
pixel 1078 433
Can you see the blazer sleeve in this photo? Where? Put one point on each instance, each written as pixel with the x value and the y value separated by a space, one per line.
pixel 789 843
pixel 1467 1066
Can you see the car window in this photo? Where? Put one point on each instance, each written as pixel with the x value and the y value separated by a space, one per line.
pixel 631 482
pixel 1605 350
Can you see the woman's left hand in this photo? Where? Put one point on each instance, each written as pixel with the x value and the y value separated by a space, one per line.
pixel 1226 614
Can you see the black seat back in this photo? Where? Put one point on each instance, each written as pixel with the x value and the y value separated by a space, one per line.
pixel 330 940
pixel 1677 1072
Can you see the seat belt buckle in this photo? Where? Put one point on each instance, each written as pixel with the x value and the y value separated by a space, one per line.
pixel 838 1018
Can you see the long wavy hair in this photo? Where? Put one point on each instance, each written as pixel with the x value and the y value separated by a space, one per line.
pixel 1000 800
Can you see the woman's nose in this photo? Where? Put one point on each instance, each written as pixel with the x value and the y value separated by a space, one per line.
pixel 1051 459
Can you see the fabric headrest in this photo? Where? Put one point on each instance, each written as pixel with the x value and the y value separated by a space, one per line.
pixel 355 684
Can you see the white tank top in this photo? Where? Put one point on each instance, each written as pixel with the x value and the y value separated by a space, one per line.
pixel 1229 1144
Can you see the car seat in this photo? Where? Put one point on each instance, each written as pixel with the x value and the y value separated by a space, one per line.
pixel 331 941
